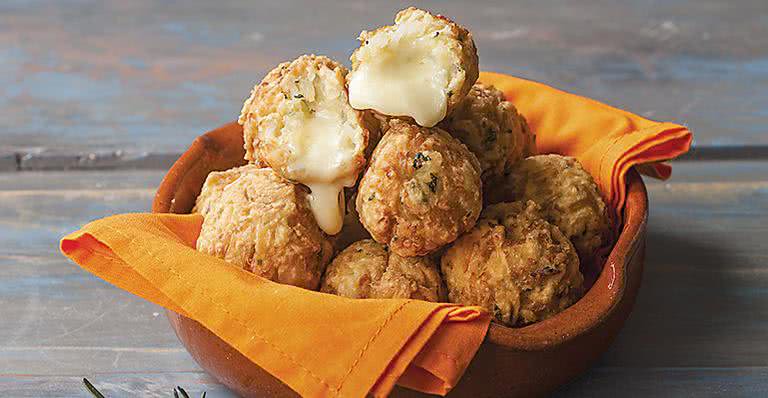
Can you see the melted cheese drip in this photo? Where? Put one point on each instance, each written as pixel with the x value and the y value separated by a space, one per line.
pixel 407 77
pixel 320 150
pixel 327 203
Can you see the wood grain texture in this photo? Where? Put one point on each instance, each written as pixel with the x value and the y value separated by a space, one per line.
pixel 698 328
pixel 8 161
pixel 113 385
pixel 65 320
pixel 670 382
pixel 148 76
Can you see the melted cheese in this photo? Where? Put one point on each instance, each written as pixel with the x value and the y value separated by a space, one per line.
pixel 327 203
pixel 321 145
pixel 406 77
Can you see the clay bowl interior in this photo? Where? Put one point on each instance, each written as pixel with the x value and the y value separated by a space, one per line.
pixel 528 361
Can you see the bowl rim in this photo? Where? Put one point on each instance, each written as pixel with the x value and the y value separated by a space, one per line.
pixel 601 300
pixel 592 310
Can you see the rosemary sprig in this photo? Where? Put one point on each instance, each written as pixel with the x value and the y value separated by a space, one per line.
pixel 92 389
pixel 97 394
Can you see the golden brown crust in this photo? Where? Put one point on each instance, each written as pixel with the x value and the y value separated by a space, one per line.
pixel 366 269
pixel 568 196
pixel 256 220
pixel 213 188
pixel 492 129
pixel 454 36
pixel 421 190
pixel 515 264
pixel 293 90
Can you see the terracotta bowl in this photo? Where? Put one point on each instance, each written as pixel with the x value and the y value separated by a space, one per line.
pixel 528 361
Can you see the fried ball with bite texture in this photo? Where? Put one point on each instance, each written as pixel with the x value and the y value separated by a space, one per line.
pixel 515 264
pixel 421 67
pixel 492 129
pixel 283 107
pixel 421 190
pixel 568 196
pixel 366 269
pixel 262 223
pixel 300 123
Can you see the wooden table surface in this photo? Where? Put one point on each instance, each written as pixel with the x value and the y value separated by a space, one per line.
pixel 98 97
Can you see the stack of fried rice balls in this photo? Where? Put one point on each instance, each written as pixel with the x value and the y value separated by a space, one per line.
pixel 459 209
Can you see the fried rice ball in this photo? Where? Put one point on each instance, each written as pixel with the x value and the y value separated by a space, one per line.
pixel 492 129
pixel 292 96
pixel 515 264
pixel 366 269
pixel 421 190
pixel 421 67
pixel 262 223
pixel 298 121
pixel 568 196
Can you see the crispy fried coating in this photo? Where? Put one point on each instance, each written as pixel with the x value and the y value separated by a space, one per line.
pixel 366 269
pixel 282 108
pixel 492 129
pixel 568 196
pixel 256 220
pixel 515 264
pixel 421 50
pixel 300 123
pixel 421 190
pixel 214 185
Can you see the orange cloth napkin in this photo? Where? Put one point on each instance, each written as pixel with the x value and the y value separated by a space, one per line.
pixel 369 344
pixel 607 141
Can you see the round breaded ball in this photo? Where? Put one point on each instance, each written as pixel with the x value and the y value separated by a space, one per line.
pixel 421 67
pixel 515 264
pixel 366 269
pixel 280 116
pixel 492 129
pixel 421 190
pixel 262 223
pixel 568 196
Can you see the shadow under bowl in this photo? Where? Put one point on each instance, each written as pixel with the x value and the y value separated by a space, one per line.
pixel 529 361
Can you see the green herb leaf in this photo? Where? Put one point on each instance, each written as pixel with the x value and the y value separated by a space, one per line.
pixel 183 393
pixel 432 183
pixel 91 389
pixel 490 138
pixel 97 394
pixel 419 160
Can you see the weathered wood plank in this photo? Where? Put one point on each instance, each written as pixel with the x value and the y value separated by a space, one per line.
pixel 79 180
pixel 704 301
pixel 113 385
pixel 63 317
pixel 670 382
pixel 34 221
pixel 717 171
pixel 711 382
pixel 8 161
pixel 151 75
pixel 65 321
pixel 95 161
